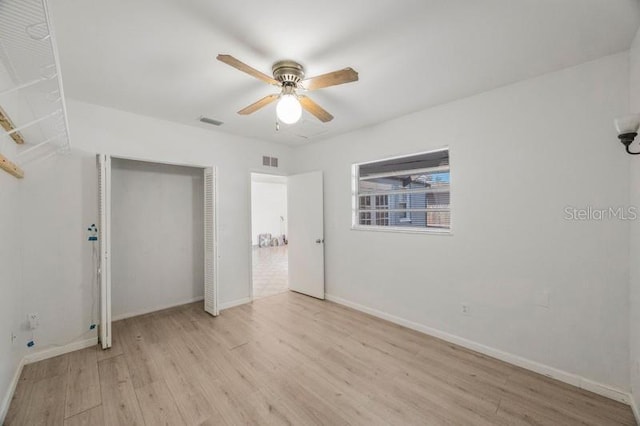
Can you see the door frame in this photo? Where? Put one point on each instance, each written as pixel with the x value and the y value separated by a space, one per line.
pixel 106 304
pixel 257 172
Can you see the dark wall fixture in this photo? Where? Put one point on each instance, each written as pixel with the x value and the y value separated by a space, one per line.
pixel 627 128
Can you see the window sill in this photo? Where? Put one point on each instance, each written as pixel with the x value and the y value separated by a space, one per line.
pixel 401 230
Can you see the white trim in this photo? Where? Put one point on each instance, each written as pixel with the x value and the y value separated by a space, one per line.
pixel 39 356
pixel 413 171
pixel 156 308
pixel 634 408
pixel 167 163
pixel 563 376
pixel 104 229
pixel 402 230
pixel 395 157
pixel 60 350
pixel 210 211
pixel 234 303
pixel 4 408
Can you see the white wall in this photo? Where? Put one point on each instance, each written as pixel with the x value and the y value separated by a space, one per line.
pixel 60 201
pixel 10 284
pixel 12 319
pixel 157 245
pixel 519 156
pixel 635 229
pixel 59 280
pixel 268 205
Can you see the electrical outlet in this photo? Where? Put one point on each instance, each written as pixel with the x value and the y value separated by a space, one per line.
pixel 13 337
pixel 466 309
pixel 34 321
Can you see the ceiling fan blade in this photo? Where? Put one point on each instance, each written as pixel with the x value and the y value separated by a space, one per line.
pixel 334 78
pixel 257 105
pixel 230 60
pixel 315 109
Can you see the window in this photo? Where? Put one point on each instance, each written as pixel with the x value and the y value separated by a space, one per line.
pixel 404 193
pixel 382 203
pixel 365 216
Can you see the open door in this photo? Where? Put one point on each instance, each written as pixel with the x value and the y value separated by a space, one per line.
pixel 210 243
pixel 104 268
pixel 306 234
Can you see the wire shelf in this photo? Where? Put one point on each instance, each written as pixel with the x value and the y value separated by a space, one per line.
pixel 31 92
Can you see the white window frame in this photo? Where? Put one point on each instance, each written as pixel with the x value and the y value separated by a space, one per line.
pixel 355 201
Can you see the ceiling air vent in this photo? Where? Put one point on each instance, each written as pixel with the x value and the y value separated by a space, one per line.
pixel 210 121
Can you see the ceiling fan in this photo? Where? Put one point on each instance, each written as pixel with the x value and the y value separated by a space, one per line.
pixel 289 76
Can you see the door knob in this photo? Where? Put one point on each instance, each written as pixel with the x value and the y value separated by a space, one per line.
pixel 319 241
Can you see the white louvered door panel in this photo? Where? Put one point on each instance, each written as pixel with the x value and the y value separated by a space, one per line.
pixel 210 243
pixel 104 211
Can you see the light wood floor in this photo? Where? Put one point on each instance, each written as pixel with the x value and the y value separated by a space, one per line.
pixel 291 359
pixel 270 271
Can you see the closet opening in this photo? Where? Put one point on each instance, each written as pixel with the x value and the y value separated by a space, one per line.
pixel 157 238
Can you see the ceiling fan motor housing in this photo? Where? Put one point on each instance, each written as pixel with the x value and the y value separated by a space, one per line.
pixel 289 73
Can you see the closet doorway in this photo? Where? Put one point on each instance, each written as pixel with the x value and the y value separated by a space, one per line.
pixel 269 241
pixel 157 238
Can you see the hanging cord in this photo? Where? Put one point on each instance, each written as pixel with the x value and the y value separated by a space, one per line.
pixel 94 293
pixel 94 282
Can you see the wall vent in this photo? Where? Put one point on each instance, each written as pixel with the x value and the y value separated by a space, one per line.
pixel 210 121
pixel 269 161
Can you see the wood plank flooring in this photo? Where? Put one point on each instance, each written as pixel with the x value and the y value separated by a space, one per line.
pixel 290 359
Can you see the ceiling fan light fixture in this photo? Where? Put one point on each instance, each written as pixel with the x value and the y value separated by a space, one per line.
pixel 289 75
pixel 289 109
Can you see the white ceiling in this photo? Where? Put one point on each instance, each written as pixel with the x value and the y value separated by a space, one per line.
pixel 157 57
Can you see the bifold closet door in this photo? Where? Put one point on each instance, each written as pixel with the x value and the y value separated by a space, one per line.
pixel 104 239
pixel 210 243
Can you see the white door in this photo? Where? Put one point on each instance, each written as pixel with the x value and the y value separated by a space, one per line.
pixel 104 239
pixel 306 234
pixel 210 243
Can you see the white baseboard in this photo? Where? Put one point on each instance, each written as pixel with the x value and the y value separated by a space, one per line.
pixel 563 376
pixel 39 356
pixel 4 408
pixel 59 350
pixel 154 309
pixel 238 302
pixel 634 407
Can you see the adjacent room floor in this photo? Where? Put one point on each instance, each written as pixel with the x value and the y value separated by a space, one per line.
pixel 291 359
pixel 270 271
